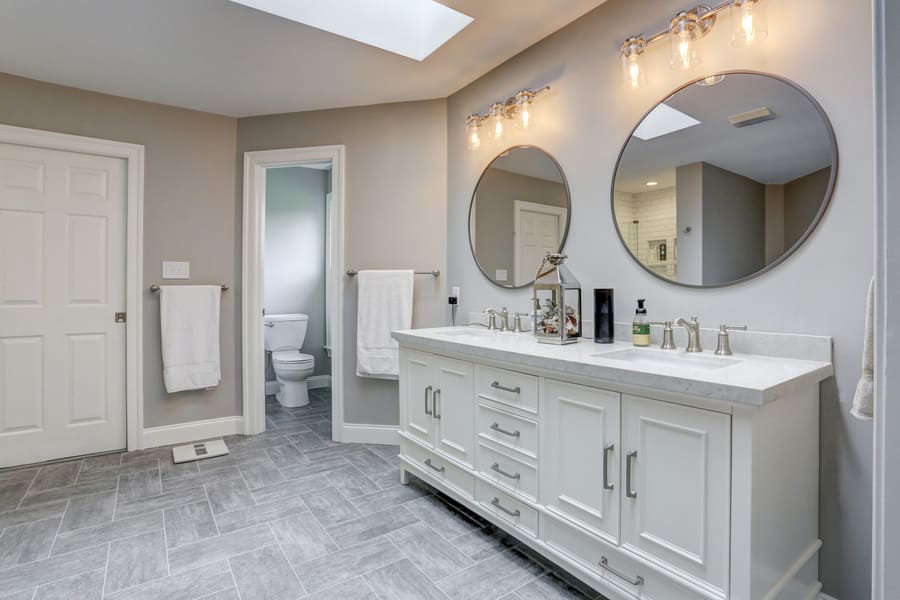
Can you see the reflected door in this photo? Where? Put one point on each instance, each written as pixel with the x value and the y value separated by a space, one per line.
pixel 62 279
pixel 538 232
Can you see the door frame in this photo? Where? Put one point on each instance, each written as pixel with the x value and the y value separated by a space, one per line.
pixel 133 154
pixel 253 278
pixel 547 209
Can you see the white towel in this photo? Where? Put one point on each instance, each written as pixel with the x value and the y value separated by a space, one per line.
pixel 863 400
pixel 189 319
pixel 385 304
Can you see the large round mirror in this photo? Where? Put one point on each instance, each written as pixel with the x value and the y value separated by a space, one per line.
pixel 520 212
pixel 724 179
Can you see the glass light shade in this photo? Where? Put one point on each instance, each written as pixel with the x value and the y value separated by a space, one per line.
pixel 632 73
pixel 473 137
pixel 748 22
pixel 684 32
pixel 495 122
pixel 524 111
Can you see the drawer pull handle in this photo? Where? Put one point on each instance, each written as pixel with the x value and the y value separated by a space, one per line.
pixel 607 450
pixel 431 466
pixel 638 580
pixel 427 391
pixel 496 467
pixel 629 467
pixel 435 396
pixel 516 390
pixel 513 513
pixel 496 427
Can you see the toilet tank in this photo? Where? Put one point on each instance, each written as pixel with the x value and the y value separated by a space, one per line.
pixel 285 332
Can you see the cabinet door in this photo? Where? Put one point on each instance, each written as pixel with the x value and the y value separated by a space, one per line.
pixel 454 408
pixel 579 464
pixel 676 499
pixel 416 391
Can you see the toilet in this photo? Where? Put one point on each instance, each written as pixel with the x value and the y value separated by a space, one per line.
pixel 284 339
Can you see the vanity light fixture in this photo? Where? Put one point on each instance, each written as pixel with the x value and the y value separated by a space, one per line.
pixel 517 109
pixel 748 26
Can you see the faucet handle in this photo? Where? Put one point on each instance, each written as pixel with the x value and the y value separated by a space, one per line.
pixel 668 342
pixel 723 347
pixel 727 328
pixel 517 322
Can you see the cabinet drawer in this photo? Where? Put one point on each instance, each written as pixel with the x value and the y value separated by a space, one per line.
pixel 506 507
pixel 590 551
pixel 508 472
pixel 501 428
pixel 439 468
pixel 509 388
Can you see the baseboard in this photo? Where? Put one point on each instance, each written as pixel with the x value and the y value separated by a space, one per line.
pixel 370 434
pixel 192 431
pixel 319 381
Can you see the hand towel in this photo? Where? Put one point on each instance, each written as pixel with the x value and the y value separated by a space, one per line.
pixel 189 319
pixel 863 400
pixel 385 304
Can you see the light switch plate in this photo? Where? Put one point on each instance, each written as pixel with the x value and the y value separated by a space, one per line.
pixel 176 270
pixel 501 275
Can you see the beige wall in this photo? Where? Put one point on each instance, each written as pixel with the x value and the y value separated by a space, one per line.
pixel 395 213
pixel 189 188
pixel 584 121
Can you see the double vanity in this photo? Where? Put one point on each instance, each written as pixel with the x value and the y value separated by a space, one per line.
pixel 644 472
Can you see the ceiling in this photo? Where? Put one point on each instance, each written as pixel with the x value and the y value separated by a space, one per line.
pixel 221 57
pixel 795 143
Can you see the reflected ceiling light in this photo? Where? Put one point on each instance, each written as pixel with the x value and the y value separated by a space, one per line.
pixel 685 29
pixel 410 28
pixel 663 120
pixel 652 183
pixel 711 80
pixel 519 109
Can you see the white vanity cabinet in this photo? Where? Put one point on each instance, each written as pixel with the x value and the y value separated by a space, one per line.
pixel 641 492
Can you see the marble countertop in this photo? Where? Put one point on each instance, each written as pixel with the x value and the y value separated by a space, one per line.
pixel 741 378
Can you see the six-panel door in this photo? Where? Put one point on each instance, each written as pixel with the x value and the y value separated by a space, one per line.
pixel 676 464
pixel 579 467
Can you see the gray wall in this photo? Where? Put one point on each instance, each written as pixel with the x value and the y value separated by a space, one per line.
pixel 734 225
pixel 494 212
pixel 295 252
pixel 802 200
pixel 689 213
pixel 586 118
pixel 395 212
pixel 189 189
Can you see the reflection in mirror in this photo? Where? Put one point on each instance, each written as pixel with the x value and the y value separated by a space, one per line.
pixel 721 182
pixel 519 213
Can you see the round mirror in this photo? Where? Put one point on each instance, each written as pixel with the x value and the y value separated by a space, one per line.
pixel 519 212
pixel 724 179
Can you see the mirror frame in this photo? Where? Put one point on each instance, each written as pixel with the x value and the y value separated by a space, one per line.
pixel 820 214
pixel 565 237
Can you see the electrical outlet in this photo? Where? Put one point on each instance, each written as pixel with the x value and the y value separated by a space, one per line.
pixel 501 275
pixel 176 270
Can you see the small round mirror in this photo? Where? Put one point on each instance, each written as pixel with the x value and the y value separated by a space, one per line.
pixel 724 179
pixel 519 213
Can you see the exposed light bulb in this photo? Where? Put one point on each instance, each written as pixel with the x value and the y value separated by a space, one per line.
pixel 684 30
pixel 652 183
pixel 473 139
pixel 495 122
pixel 524 110
pixel 632 73
pixel 748 22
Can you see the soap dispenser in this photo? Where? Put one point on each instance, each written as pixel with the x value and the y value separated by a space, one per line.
pixel 640 329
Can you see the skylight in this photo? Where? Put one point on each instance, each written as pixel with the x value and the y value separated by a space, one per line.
pixel 663 120
pixel 411 28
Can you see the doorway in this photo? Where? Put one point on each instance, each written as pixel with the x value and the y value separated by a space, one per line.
pixel 305 290
pixel 539 229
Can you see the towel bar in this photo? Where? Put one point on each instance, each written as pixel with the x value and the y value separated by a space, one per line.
pixel 436 273
pixel 155 288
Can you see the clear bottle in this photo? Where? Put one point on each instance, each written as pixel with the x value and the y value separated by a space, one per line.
pixel 640 329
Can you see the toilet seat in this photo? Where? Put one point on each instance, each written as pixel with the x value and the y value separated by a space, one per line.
pixel 292 357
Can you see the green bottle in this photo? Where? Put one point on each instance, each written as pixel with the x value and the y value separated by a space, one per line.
pixel 640 329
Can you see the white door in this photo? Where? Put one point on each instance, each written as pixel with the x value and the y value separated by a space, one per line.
pixel 676 464
pixel 454 408
pixel 416 394
pixel 580 468
pixel 62 279
pixel 538 231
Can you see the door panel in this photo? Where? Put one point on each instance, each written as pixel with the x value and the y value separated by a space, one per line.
pixel 416 377
pixel 537 234
pixel 678 507
pixel 62 279
pixel 455 408
pixel 580 424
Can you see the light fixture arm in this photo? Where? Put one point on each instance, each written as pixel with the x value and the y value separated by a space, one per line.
pixel 706 18
pixel 507 108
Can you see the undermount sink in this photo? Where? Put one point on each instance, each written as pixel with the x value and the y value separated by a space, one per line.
pixel 665 359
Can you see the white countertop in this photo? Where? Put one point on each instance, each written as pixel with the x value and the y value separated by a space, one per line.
pixel 743 378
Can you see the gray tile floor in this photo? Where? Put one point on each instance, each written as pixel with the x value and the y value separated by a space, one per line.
pixel 288 514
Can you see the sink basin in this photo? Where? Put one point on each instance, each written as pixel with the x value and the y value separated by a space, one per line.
pixel 677 358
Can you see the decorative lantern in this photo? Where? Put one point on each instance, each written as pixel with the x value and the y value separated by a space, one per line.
pixel 557 302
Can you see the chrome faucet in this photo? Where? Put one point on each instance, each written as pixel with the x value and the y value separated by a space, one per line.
pixel 693 331
pixel 492 318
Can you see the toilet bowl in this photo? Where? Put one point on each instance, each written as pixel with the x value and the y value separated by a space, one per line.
pixel 292 370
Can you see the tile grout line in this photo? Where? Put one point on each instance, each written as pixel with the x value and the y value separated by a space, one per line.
pixel 28 489
pixel 59 527
pixel 165 534
pixel 289 563
pixel 106 569
pixel 209 504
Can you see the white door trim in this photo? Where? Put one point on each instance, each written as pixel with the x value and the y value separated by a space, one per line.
pixel 253 348
pixel 134 269
pixel 518 207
